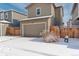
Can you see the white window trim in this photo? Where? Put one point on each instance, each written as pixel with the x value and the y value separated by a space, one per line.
pixel 36 11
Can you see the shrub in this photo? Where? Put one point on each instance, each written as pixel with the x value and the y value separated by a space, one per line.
pixel 49 37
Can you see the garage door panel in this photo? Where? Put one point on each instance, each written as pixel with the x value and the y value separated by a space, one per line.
pixel 33 29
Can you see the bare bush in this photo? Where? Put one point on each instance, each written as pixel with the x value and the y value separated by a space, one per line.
pixel 49 37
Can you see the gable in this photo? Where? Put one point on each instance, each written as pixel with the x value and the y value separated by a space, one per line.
pixel 45 9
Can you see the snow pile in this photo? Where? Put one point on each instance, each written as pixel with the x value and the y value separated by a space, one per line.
pixel 5 38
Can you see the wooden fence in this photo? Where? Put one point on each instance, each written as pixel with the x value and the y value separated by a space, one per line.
pixel 71 32
pixel 13 31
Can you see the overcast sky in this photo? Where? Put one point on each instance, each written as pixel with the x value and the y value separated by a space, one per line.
pixel 20 7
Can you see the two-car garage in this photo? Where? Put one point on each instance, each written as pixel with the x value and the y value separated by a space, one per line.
pixel 34 27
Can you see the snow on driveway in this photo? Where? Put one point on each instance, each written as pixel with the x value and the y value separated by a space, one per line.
pixel 25 46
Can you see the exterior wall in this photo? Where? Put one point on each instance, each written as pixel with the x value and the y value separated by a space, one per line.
pixel 75 15
pixel 75 12
pixel 0 16
pixel 75 23
pixel 57 13
pixel 18 16
pixel 52 10
pixel 45 9
pixel 3 27
pixel 46 20
pixel 9 18
pixel 13 17
pixel 58 16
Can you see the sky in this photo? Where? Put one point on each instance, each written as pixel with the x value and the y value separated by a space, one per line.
pixel 20 7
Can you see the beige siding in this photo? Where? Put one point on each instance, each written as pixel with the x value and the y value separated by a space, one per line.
pixel 3 29
pixel 58 13
pixel 46 21
pixel 52 10
pixel 18 16
pixel 75 15
pixel 75 12
pixel 33 29
pixel 45 9
pixel 0 15
pixel 9 16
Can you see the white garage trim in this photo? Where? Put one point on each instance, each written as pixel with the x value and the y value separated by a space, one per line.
pixel 31 24
pixel 37 18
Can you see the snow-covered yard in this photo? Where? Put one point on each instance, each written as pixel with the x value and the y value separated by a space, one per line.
pixel 25 46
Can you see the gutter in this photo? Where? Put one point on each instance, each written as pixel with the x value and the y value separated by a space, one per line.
pixel 36 17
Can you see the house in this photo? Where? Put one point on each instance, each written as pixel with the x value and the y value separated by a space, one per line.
pixel 69 23
pixel 75 15
pixel 41 16
pixel 12 16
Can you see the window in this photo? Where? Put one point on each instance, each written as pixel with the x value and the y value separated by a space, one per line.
pixel 38 11
pixel 6 15
pixel 2 15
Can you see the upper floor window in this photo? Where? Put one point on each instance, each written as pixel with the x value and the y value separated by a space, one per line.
pixel 6 15
pixel 2 15
pixel 38 11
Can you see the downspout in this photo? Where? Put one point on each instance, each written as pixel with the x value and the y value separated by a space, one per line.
pixel 2 26
pixel 1 29
pixel 12 20
pixel 12 16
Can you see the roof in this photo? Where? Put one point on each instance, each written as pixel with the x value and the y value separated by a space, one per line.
pixel 36 18
pixel 12 10
pixel 54 4
pixel 4 21
pixel 34 3
pixel 28 5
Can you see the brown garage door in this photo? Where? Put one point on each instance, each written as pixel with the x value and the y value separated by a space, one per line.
pixel 34 29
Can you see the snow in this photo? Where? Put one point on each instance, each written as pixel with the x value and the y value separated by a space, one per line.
pixel 4 21
pixel 32 46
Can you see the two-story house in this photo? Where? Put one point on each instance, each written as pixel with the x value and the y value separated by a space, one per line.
pixel 75 15
pixel 41 16
pixel 12 16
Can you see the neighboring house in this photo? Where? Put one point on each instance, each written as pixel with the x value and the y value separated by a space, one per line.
pixel 75 15
pixel 41 16
pixel 12 16
pixel 69 23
